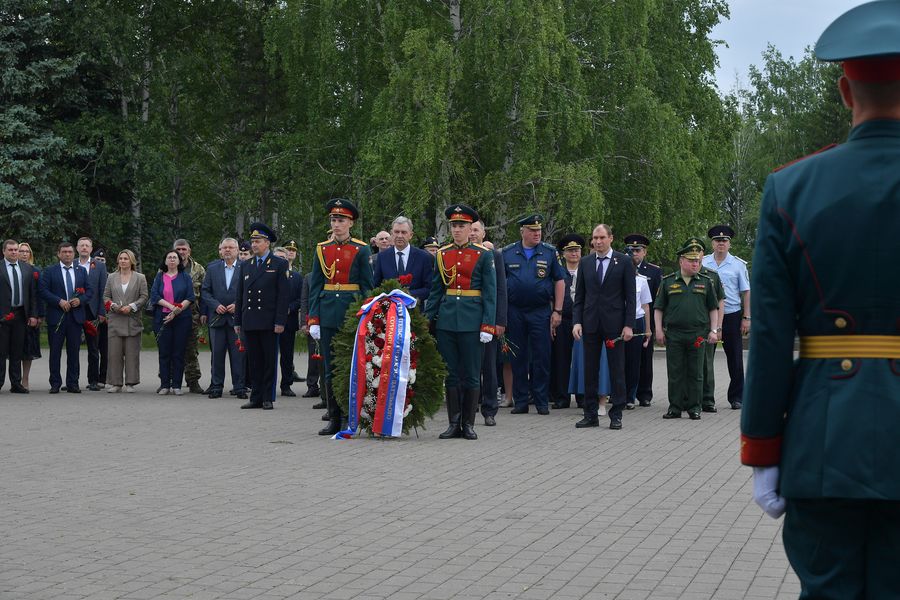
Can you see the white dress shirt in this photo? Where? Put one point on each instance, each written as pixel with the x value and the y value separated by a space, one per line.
pixel 9 274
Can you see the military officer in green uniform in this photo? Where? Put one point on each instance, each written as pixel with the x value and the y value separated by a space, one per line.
pixel 686 310
pixel 340 275
pixel 821 430
pixel 708 401
pixel 191 356
pixel 462 305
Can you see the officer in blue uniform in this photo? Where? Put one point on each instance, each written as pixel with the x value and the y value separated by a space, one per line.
pixel 636 247
pixel 260 313
pixel 821 431
pixel 535 286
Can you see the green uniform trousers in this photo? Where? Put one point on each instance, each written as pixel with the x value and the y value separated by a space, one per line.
pixel 191 358
pixel 709 377
pixel 844 549
pixel 461 351
pixel 684 365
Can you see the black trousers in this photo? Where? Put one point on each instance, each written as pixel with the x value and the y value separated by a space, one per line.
pixel 286 356
pixel 634 351
pixel 645 379
pixel 67 333
pixel 734 353
pixel 489 379
pixel 12 346
pixel 615 356
pixel 312 366
pixel 262 348
pixel 97 351
pixel 561 361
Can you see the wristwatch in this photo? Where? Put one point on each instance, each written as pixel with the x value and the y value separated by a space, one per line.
pixel 557 310
pixel 746 318
pixel 716 330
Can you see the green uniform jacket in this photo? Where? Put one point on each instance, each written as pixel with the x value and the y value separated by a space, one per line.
pixel 825 265
pixel 474 270
pixel 686 307
pixel 346 263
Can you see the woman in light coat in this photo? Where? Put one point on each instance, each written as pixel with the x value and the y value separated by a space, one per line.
pixel 126 294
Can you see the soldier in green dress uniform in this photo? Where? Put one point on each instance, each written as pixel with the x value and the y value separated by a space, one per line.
pixel 686 310
pixel 340 275
pixel 821 430
pixel 462 305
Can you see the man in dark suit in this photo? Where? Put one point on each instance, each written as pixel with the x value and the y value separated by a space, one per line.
pixel 405 259
pixel 261 310
pixel 18 307
pixel 489 385
pixel 291 326
pixel 65 288
pixel 94 310
pixel 219 297
pixel 604 310
pixel 637 248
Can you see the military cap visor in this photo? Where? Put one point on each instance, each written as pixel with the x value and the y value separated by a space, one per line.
pixel 460 213
pixel 720 232
pixel 636 239
pixel 867 39
pixel 692 248
pixel 340 207
pixel 262 231
pixel 245 246
pixel 291 245
pixel 570 242
pixel 431 242
pixel 531 221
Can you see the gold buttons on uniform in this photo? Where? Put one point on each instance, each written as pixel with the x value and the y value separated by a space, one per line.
pixel 846 364
pixel 840 322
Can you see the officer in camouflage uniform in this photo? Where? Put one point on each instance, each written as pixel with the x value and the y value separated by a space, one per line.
pixel 191 358
pixel 462 305
pixel 685 309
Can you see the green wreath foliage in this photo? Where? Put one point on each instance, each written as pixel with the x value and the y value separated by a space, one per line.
pixel 428 389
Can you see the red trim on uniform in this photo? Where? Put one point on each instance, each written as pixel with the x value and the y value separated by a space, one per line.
pixel 809 263
pixel 489 329
pixel 312 320
pixel 461 217
pixel 873 70
pixel 342 212
pixel 760 452
pixel 796 160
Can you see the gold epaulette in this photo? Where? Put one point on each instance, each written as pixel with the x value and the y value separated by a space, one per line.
pixel 358 241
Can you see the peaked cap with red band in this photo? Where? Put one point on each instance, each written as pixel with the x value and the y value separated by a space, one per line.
pixel 461 213
pixel 866 39
pixel 342 207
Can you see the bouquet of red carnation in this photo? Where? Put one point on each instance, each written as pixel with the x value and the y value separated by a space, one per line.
pixel 240 345
pixel 79 291
pixel 405 280
pixel 699 341
pixel 36 275
pixel 9 316
pixel 90 328
pixel 107 305
pixel 316 355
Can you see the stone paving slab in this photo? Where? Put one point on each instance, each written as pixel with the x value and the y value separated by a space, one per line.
pixel 140 497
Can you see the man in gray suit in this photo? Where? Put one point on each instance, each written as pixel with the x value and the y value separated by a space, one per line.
pixel 94 311
pixel 218 295
pixel 489 358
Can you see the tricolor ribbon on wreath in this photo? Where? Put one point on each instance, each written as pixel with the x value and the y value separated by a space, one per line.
pixel 394 375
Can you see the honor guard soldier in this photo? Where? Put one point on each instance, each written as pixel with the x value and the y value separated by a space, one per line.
pixel 535 284
pixel 260 313
pixel 462 307
pixel 686 309
pixel 735 318
pixel 340 275
pixel 636 245
pixel 821 430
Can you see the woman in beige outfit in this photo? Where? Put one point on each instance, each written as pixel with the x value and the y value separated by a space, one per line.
pixel 126 291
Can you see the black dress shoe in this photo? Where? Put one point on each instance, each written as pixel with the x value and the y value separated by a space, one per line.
pixel 288 392
pixel 735 406
pixel 644 403
pixel 519 411
pixel 320 405
pixel 54 390
pixel 490 421
pixel 93 387
pixel 586 422
pixel 297 378
pixel 242 395
pixel 543 411
pixel 251 405
pixel 332 428
pixel 325 417
pixel 672 415
pixel 710 409
pixel 215 394
pixel 615 424
pixel 561 404
pixel 695 416
pixel 18 389
pixel 74 390
pixel 629 406
pixel 468 432
pixel 311 394
pixel 267 405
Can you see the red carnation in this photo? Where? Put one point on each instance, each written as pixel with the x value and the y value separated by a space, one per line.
pixel 239 344
pixel 698 342
pixel 316 357
pixel 90 328
pixel 107 305
pixel 79 290
pixel 405 280
pixel 9 316
pixel 379 342
pixel 36 275
pixel 410 392
pixel 610 344
pixel 414 356
pixel 201 339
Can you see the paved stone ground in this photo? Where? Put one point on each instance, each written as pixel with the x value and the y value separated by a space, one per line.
pixel 139 496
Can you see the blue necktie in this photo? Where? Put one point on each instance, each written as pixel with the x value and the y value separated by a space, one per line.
pixel 15 286
pixel 600 268
pixel 401 268
pixel 70 286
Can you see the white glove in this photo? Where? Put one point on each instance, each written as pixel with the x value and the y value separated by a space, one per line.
pixel 485 337
pixel 765 491
pixel 314 332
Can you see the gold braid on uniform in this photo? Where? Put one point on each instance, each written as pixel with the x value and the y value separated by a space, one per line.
pixel 448 276
pixel 328 271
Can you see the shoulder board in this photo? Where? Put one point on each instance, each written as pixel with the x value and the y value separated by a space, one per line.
pixel 508 247
pixel 796 160
pixel 360 242
pixel 485 248
pixel 324 243
pixel 740 259
pixel 642 276
pixel 650 264
pixel 548 246
pixel 672 274
pixel 702 274
pixel 445 246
